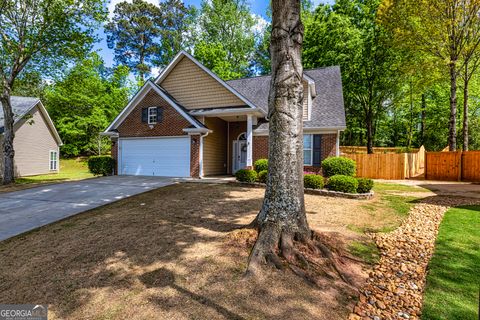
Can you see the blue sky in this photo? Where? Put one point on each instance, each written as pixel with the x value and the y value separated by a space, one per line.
pixel 257 7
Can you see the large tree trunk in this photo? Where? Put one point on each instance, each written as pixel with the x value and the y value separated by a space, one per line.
pixel 8 135
pixel 465 109
pixel 282 219
pixel 452 125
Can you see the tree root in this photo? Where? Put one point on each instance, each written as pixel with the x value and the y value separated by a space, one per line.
pixel 313 259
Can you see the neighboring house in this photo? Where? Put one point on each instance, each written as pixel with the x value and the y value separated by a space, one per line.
pixel 36 141
pixel 190 123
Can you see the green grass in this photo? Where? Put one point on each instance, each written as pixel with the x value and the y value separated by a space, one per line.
pixel 392 187
pixel 70 169
pixel 453 281
pixel 367 251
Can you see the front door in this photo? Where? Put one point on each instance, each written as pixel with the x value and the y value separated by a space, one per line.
pixel 239 155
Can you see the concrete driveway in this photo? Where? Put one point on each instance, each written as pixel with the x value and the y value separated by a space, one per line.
pixel 24 210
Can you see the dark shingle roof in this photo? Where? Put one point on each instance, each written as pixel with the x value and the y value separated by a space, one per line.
pixel 328 109
pixel 20 106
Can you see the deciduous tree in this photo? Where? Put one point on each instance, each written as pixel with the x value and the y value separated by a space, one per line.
pixel 42 35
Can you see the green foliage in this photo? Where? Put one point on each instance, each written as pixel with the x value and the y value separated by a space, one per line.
pixel 342 183
pixel 364 185
pixel 245 175
pixel 452 281
pixel 101 165
pixel 338 166
pixel 313 181
pixel 84 102
pixel 260 165
pixel 367 251
pixel 225 37
pixel 262 176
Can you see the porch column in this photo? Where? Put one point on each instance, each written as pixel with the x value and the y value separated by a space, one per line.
pixel 249 140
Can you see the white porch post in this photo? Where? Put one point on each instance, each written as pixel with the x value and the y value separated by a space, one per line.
pixel 249 140
pixel 337 152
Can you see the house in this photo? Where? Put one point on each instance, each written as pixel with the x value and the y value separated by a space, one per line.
pixel 36 141
pixel 190 123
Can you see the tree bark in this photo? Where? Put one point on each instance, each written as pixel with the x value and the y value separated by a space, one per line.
pixel 369 120
pixel 424 117
pixel 282 219
pixel 452 126
pixel 465 109
pixel 8 136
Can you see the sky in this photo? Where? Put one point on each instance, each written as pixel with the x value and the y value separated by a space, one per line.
pixel 258 7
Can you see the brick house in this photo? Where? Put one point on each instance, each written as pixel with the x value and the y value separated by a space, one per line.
pixel 190 123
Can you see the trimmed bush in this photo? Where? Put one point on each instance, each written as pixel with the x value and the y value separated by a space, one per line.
pixel 313 181
pixel 245 175
pixel 343 183
pixel 262 176
pixel 364 185
pixel 101 165
pixel 339 166
pixel 261 165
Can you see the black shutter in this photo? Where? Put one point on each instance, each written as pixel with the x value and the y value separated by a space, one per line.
pixel 145 115
pixel 159 114
pixel 317 150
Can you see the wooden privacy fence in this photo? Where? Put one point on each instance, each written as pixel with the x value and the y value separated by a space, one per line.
pixel 389 166
pixel 453 166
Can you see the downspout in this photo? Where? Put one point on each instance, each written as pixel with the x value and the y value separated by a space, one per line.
pixel 200 174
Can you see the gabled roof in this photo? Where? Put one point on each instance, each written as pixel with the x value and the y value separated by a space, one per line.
pixel 185 54
pixel 328 109
pixel 22 106
pixel 149 85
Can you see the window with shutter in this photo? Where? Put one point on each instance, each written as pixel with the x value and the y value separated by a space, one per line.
pixel 317 150
pixel 152 115
pixel 144 115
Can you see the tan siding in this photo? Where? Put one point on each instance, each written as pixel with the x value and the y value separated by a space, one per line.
pixel 32 145
pixel 305 101
pixel 215 147
pixel 194 88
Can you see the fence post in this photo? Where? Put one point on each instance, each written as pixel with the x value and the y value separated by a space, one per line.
pixel 425 165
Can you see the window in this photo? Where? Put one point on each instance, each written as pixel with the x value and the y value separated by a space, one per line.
pixel 152 115
pixel 53 160
pixel 307 149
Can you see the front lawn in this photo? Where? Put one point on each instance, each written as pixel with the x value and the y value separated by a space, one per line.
pixel 453 280
pixel 70 170
pixel 174 253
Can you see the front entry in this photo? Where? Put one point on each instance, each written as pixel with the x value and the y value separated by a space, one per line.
pixel 239 153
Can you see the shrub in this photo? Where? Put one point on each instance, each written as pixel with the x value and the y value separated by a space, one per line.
pixel 261 165
pixel 338 166
pixel 101 165
pixel 364 185
pixel 343 183
pixel 313 181
pixel 262 176
pixel 245 175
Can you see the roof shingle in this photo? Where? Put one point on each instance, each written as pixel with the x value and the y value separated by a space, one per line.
pixel 20 106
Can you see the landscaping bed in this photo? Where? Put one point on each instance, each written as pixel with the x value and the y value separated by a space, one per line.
pixel 395 286
pixel 177 253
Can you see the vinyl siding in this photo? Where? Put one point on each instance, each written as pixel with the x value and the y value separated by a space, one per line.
pixel 195 89
pixel 215 148
pixel 32 145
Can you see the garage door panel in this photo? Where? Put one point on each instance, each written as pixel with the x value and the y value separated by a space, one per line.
pixel 168 157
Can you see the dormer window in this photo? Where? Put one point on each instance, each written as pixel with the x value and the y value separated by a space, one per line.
pixel 307 102
pixel 152 115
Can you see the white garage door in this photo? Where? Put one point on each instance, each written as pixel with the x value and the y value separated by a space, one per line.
pixel 163 157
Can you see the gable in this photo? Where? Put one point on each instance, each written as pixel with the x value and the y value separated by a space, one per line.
pixel 172 123
pixel 194 88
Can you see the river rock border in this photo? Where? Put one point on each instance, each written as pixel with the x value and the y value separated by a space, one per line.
pixel 395 287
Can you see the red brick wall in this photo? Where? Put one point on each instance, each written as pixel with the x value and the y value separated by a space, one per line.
pixel 171 124
pixel 114 153
pixel 260 147
pixel 329 144
pixel 195 156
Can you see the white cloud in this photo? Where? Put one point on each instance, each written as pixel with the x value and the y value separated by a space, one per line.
pixel 155 71
pixel 260 24
pixel 112 3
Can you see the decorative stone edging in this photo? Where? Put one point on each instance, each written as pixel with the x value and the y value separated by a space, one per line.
pixel 319 192
pixel 395 287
